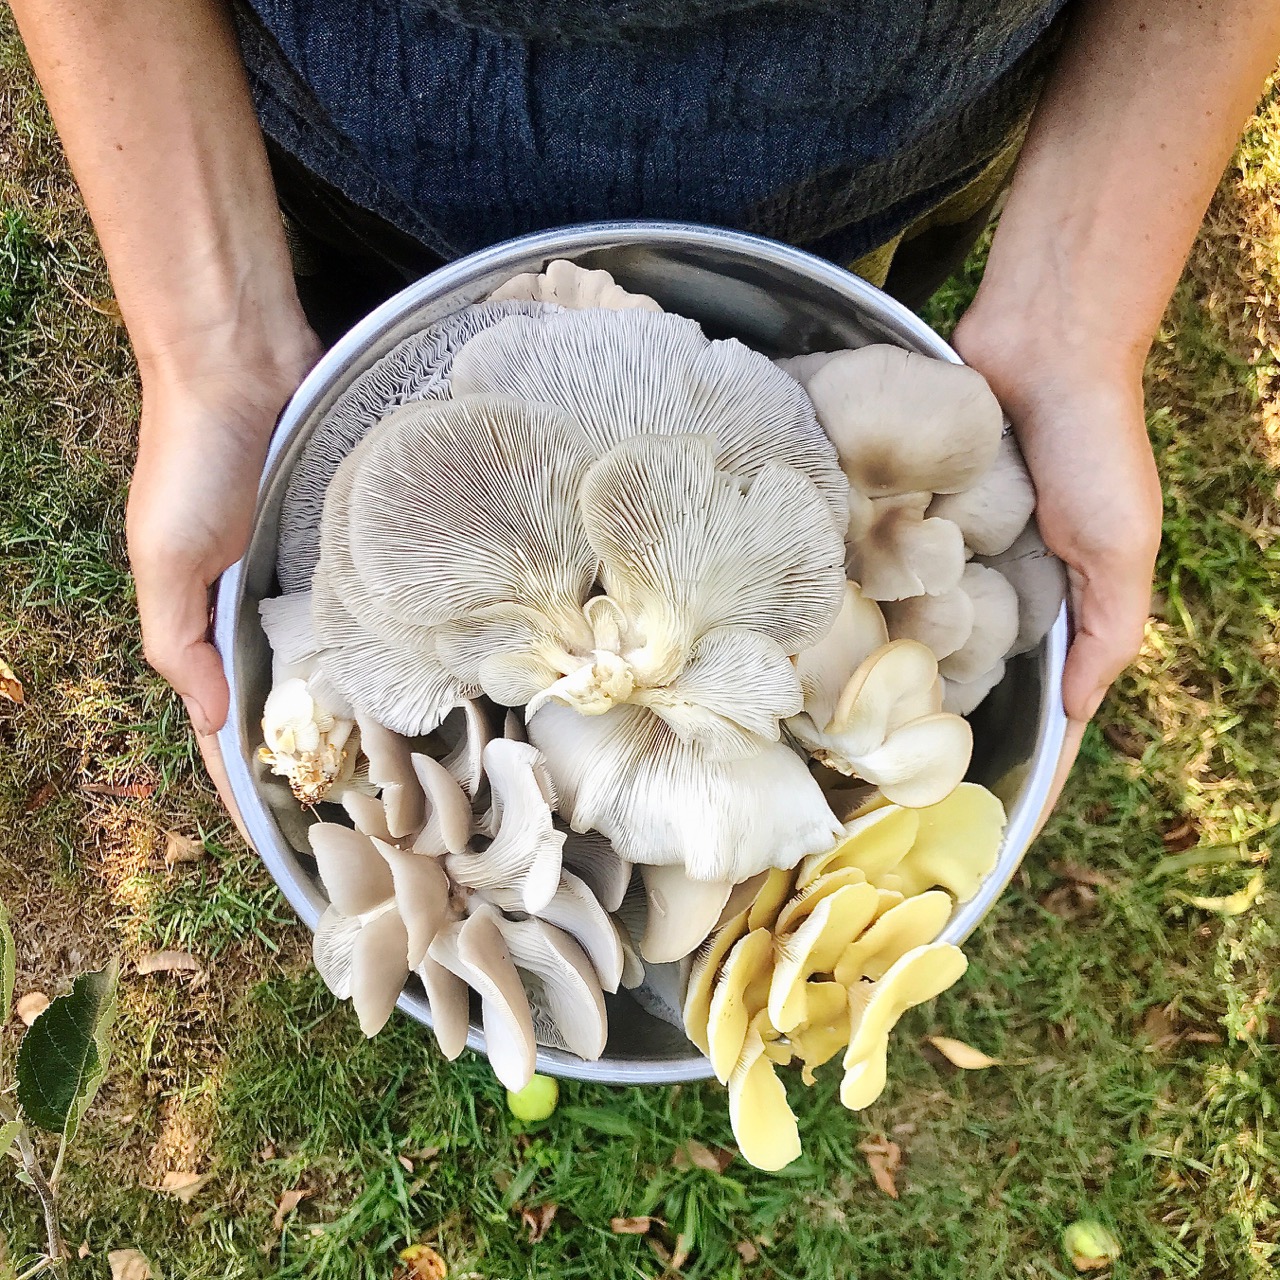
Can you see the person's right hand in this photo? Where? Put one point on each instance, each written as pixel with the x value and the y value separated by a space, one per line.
pixel 205 427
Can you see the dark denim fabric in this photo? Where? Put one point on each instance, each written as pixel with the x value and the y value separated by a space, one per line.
pixel 831 130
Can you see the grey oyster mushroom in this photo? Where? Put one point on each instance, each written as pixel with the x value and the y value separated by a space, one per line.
pixel 897 551
pixel 568 285
pixel 1040 580
pixel 993 510
pixel 416 368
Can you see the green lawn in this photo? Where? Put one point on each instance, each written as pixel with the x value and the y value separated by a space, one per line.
pixel 1145 1027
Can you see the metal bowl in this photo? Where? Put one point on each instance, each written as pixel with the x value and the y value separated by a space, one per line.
pixel 776 299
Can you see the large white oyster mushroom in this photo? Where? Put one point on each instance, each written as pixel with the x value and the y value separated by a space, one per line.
pixel 568 285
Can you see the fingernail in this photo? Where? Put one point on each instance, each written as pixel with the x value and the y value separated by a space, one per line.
pixel 196 712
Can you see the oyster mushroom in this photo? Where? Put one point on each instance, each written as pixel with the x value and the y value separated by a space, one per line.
pixel 992 511
pixel 874 844
pixel 956 845
pixel 912 923
pixel 824 668
pixel 589 855
pixel 802 368
pixel 800 905
pixel 308 745
pixel 741 991
pixel 895 551
pixel 704 971
pixel 825 1031
pixel 942 623
pixel 906 423
pixel 286 620
pixel 995 625
pixel 1040 580
pixel 764 1125
pixel 465 761
pixel 391 771
pixel 961 698
pixel 682 912
pixel 568 285
pixel 588 363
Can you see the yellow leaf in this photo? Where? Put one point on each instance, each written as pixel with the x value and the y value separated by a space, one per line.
pixel 180 848
pixel 962 1055
pixel 129 1264
pixel 288 1202
pixel 422 1262
pixel 183 1184
pixel 1234 904
pixel 10 686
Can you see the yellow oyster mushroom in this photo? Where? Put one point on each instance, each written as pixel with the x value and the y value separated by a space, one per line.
pixel 912 923
pixel 957 844
pixel 875 1008
pixel 875 843
pixel 741 992
pixel 815 947
pixel 801 906
pixel 825 1030
pixel 763 1123
pixel 769 901
pixel 707 961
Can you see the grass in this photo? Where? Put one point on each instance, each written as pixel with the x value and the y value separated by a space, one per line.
pixel 1146 1029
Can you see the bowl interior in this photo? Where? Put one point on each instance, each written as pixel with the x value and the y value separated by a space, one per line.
pixel 775 299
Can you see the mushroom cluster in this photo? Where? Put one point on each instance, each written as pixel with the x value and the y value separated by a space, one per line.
pixel 726 615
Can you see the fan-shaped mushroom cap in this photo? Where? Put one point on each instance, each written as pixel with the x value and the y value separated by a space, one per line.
pixel 378 969
pixel 589 855
pixel 874 844
pixel 704 971
pixel 815 947
pixel 1039 578
pixel 941 623
pixel 415 369
pixel 769 901
pixel 957 844
pixel 474 950
pixel 634 373
pixel 465 761
pixel 449 1001
pixel 800 906
pixel 286 620
pixel 995 624
pixel 895 552
pixel 919 975
pixel 826 667
pixel 904 422
pixel 354 874
pixel 391 771
pixel 892 687
pixel 825 1031
pixel 368 813
pixel 628 775
pixel 802 368
pixel 569 285
pixel 331 950
pixel 740 992
pixel 422 897
pixel 921 763
pixel 763 1123
pixel 526 852
pixel 448 816
pixel 574 999
pixel 962 698
pixel 682 912
pixel 912 923
pixel 992 511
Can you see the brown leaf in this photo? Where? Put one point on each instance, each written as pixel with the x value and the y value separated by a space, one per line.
pixel 405 1163
pixel 288 1202
pixel 180 848
pixel 122 791
pixel 1184 836
pixel 1069 901
pixel 183 1185
pixel 10 686
pixel 1159 1027
pixel 83 1251
pixel 42 795
pixel 538 1219
pixel 693 1154
pixel 1081 874
pixel 31 1006
pixel 639 1226
pixel 168 962
pixel 421 1262
pixel 884 1158
pixel 129 1264
pixel 747 1251
pixel 962 1055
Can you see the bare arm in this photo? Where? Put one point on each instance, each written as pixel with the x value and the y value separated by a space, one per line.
pixel 1124 153
pixel 151 102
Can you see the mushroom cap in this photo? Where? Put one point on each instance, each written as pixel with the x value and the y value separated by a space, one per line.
pixel 627 775
pixel 912 923
pixel 874 843
pixel 800 906
pixel 894 685
pixel 422 897
pixel 1040 580
pixel 379 968
pixel 590 856
pixel 355 876
pixel 904 422
pixel 962 698
pixel 740 992
pixel 586 363
pixel 826 667
pixel 568 285
pixel 941 623
pixel 448 998
pixel 921 763
pixel 465 760
pixel 764 1125
pixel 895 552
pixel 447 810
pixel 286 620
pixel 682 912
pixel 992 511
pixel 957 844
pixel 802 368
pixel 704 971
pixel 391 771
pixel 825 1030
pixel 661 992
pixel 769 901
pixel 995 625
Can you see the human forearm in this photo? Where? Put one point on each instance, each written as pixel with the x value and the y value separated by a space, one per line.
pixel 151 102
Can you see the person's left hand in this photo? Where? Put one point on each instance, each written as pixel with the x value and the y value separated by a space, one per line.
pixel 1079 418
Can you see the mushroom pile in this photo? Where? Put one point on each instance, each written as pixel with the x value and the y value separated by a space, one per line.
pixel 615 656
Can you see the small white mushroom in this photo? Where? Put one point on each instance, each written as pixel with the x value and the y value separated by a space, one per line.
pixel 962 698
pixel 682 912
pixel 308 745
pixel 993 510
pixel 1040 580
pixel 568 285
pixel 895 552
pixel 906 423
pixel 825 668
pixel 995 625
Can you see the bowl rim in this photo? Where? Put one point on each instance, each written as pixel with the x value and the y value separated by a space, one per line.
pixel 266 839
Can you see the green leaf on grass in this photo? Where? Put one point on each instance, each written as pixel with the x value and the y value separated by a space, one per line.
pixel 8 964
pixel 63 1057
pixel 9 1135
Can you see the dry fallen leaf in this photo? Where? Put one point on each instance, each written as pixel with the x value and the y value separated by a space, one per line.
pixel 180 848
pixel 1159 1028
pixel 129 1264
pixel 421 1262
pixel 884 1158
pixel 405 1163
pixel 168 962
pixel 183 1184
pixel 747 1251
pixel 122 791
pixel 1186 835
pixel 288 1202
pixel 538 1219
pixel 639 1226
pixel 693 1154
pixel 1081 874
pixel 83 1251
pixel 31 1006
pixel 962 1055
pixel 1070 900
pixel 10 686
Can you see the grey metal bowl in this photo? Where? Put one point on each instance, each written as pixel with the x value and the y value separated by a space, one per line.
pixel 776 299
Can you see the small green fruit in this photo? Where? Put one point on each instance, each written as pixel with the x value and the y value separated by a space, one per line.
pixel 1089 1245
pixel 536 1101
